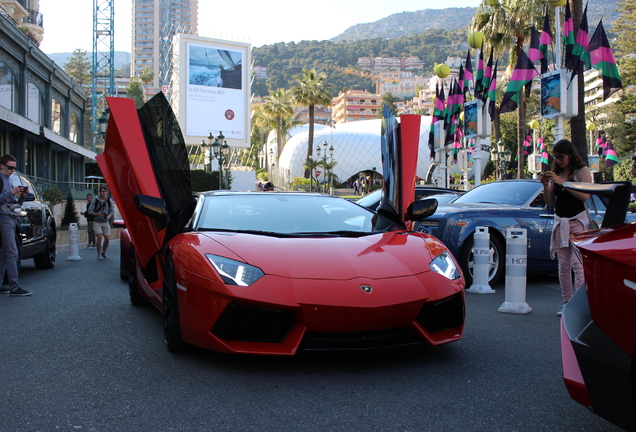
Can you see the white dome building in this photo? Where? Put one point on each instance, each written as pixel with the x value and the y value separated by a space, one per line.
pixel 356 149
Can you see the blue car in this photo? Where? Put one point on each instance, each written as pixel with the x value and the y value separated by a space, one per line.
pixel 499 206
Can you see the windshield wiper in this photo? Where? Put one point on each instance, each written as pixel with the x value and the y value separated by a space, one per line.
pixel 240 231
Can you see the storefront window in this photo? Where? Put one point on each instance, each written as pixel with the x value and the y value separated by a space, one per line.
pixel 34 103
pixel 56 116
pixel 7 87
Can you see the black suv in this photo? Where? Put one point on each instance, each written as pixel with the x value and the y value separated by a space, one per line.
pixel 35 232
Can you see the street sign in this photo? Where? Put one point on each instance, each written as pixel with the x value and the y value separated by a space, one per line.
pixel 317 173
pixel 164 89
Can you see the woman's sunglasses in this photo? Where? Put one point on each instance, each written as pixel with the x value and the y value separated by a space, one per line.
pixel 559 157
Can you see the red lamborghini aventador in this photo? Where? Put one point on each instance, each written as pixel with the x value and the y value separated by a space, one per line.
pixel 249 272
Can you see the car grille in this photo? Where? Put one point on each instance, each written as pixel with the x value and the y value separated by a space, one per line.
pixel 335 341
pixel 252 324
pixel 443 315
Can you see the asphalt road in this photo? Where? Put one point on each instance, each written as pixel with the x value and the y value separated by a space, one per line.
pixel 77 356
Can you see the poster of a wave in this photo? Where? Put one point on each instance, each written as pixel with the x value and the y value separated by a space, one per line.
pixel 214 89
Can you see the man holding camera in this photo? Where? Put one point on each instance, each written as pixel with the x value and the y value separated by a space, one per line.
pixel 9 250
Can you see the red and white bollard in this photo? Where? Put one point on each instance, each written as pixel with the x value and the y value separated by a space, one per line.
pixel 516 269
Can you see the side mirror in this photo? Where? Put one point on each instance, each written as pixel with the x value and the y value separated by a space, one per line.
pixel 29 197
pixel 421 209
pixel 153 207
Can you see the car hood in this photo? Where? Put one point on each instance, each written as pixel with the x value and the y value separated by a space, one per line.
pixel 386 255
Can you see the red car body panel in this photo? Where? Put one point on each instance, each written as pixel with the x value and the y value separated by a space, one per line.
pixel 598 329
pixel 126 164
pixel 410 134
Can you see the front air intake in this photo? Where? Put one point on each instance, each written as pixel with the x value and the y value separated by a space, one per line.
pixel 443 315
pixel 253 324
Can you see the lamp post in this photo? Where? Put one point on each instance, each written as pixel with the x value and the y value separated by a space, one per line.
pixel 501 157
pixel 324 160
pixel 271 165
pixel 219 150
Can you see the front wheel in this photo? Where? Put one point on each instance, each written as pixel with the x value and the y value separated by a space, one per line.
pixel 495 263
pixel 46 259
pixel 170 309
pixel 133 283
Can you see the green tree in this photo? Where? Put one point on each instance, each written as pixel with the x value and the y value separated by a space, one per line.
pixel 146 76
pixel 70 212
pixel 78 67
pixel 278 108
pixel 390 101
pixel 507 25
pixel 135 92
pixel 312 90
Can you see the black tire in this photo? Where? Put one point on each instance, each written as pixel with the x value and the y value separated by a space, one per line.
pixel 46 259
pixel 170 309
pixel 133 283
pixel 497 261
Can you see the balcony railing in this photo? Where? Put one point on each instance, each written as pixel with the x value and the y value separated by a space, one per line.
pixel 34 17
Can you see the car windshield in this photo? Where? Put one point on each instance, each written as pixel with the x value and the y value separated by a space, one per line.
pixel 370 200
pixel 287 214
pixel 504 192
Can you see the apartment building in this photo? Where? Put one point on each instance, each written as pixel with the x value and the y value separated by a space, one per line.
pixel 390 63
pixel 355 105
pixel 147 31
pixel 42 110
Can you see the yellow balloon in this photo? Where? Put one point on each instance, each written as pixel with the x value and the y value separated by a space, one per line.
pixel 556 3
pixel 534 124
pixel 433 99
pixel 461 116
pixel 590 126
pixel 476 39
pixel 443 71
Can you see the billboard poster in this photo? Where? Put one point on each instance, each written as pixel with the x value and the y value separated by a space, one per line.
pixel 213 89
pixel 471 119
pixel 551 95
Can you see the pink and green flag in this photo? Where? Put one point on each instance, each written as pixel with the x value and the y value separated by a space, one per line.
pixel 468 73
pixel 492 94
pixel 602 59
pixel 523 74
pixel 479 89
pixel 545 41
pixel 568 36
pixel 611 158
pixel 580 53
pixel 485 81
pixel 544 154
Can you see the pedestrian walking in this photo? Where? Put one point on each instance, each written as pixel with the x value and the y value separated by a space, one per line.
pixel 9 249
pixel 101 208
pixel 89 224
pixel 571 215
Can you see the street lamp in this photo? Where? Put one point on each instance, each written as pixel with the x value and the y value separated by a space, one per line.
pixel 219 149
pixel 500 157
pixel 324 160
pixel 103 122
pixel 311 177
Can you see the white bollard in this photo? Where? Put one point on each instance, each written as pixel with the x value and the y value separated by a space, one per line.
pixel 73 243
pixel 516 267
pixel 481 262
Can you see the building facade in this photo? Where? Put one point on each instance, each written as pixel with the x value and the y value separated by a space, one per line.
pixel 42 110
pixel 148 29
pixel 355 105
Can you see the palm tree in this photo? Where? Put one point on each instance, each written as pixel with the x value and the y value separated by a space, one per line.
pixel 312 91
pixel 506 25
pixel 146 76
pixel 310 165
pixel 278 108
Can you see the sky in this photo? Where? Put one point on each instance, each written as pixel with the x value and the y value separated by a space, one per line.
pixel 68 24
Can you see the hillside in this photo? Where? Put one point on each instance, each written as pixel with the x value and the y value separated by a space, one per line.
pixel 412 23
pixel 409 23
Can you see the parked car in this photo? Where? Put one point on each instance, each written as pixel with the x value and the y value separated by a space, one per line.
pixel 499 206
pixel 36 232
pixel 255 273
pixel 598 327
pixel 372 200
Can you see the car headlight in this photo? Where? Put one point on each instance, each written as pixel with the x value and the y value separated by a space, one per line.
pixel 445 265
pixel 235 272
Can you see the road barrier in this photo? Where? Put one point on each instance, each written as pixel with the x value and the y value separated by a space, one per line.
pixel 516 268
pixel 481 262
pixel 73 243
